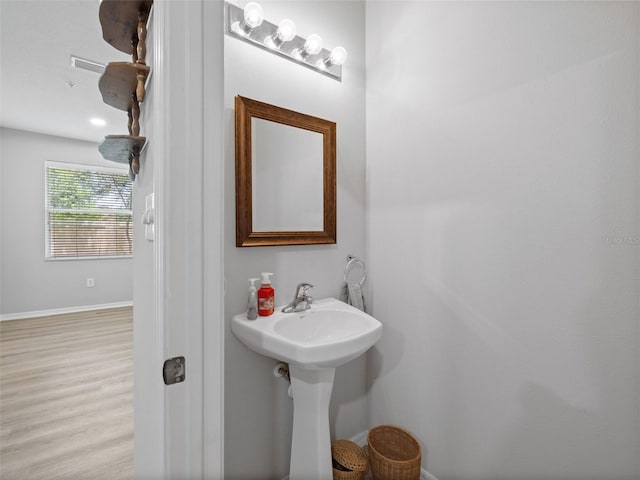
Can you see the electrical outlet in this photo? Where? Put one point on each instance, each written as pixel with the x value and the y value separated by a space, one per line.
pixel 90 282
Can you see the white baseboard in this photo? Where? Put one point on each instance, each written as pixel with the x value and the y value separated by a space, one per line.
pixel 360 439
pixel 424 475
pixel 61 311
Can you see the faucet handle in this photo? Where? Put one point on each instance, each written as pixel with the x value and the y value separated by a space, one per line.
pixel 308 298
pixel 301 300
pixel 303 296
pixel 303 288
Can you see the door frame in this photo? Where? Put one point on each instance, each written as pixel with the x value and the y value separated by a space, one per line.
pixel 179 429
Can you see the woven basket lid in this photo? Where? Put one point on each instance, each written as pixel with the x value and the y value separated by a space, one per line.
pixel 350 455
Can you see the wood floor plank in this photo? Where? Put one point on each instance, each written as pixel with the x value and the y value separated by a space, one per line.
pixel 66 396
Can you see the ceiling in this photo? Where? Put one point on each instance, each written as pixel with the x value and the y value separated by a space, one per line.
pixel 37 39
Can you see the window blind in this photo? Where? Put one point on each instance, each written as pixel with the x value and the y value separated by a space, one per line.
pixel 88 212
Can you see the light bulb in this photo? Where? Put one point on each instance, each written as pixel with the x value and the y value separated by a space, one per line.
pixel 338 56
pixel 313 44
pixel 285 33
pixel 286 30
pixel 253 15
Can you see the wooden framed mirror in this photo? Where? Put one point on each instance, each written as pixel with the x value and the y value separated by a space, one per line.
pixel 285 176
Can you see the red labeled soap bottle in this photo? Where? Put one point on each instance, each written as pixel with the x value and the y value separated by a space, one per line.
pixel 266 295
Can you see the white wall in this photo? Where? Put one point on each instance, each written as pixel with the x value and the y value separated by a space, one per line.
pixel 258 411
pixel 29 283
pixel 502 165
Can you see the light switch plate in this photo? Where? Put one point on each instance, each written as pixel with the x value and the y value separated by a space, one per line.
pixel 148 218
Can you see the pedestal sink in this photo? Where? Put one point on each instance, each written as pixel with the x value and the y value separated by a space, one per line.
pixel 314 342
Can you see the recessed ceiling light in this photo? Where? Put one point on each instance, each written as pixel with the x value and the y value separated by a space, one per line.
pixel 98 122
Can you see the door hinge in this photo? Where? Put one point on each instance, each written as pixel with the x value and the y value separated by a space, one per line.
pixel 173 370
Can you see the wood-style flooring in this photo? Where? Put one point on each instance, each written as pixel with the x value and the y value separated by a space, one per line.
pixel 66 397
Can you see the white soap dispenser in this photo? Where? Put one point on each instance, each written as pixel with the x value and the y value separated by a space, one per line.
pixel 252 305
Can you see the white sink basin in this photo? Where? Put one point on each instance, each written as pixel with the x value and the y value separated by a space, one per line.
pixel 329 334
pixel 313 343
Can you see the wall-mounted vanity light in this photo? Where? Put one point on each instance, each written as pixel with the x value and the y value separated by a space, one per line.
pixel 248 24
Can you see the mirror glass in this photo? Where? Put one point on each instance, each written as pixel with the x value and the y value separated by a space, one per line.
pixel 285 176
pixel 287 182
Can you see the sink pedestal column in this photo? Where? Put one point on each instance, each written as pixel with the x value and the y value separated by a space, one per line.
pixel 311 442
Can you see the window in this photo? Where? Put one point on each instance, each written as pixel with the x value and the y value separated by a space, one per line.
pixel 88 212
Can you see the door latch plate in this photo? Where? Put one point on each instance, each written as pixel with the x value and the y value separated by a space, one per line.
pixel 174 370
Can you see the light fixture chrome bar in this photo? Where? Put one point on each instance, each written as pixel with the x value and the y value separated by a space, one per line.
pixel 84 64
pixel 234 18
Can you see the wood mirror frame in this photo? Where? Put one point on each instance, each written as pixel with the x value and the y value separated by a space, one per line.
pixel 245 110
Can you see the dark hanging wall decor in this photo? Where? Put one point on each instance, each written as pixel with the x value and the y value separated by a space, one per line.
pixel 122 85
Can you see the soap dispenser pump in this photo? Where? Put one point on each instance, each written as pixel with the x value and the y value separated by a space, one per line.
pixel 252 306
pixel 266 294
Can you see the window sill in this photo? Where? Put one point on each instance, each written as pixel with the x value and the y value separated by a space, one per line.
pixel 106 257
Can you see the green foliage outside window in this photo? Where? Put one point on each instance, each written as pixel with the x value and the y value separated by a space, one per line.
pixel 88 213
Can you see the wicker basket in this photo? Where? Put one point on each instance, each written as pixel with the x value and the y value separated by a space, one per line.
pixel 394 454
pixel 347 474
pixel 350 462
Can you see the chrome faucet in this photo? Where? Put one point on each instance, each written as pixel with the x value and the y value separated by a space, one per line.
pixel 302 300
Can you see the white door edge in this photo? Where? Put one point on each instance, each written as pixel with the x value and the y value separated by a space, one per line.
pixel 180 429
pixel 213 174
